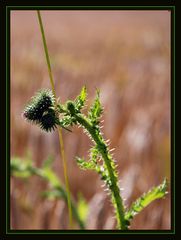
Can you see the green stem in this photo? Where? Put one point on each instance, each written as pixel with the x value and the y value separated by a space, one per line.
pixel 59 129
pixel 17 170
pixel 107 159
pixel 46 52
pixel 64 195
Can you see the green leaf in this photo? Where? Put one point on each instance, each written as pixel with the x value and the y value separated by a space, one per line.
pixel 66 121
pixel 80 100
pixel 48 162
pixel 96 109
pixel 21 168
pixel 50 176
pixel 94 154
pixel 61 108
pixel 84 164
pixel 54 194
pixel 82 207
pixel 24 168
pixel 155 193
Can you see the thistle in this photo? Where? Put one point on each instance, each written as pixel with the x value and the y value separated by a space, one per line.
pixel 39 110
pixel 42 111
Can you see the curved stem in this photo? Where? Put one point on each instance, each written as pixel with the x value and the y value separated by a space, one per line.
pixel 109 164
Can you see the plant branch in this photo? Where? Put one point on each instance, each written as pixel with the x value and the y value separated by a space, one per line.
pixel 155 193
pixel 25 169
pixel 68 114
pixel 117 200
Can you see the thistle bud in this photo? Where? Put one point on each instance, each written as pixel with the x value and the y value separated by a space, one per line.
pixel 39 110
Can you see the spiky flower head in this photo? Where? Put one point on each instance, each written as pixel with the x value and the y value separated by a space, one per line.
pixel 49 120
pixel 40 110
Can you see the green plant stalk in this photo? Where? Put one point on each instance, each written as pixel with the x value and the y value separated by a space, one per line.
pixel 64 195
pixel 31 170
pixel 69 114
pixel 59 129
pixel 104 152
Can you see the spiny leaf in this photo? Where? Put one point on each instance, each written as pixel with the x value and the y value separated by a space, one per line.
pixel 80 100
pixel 155 193
pixel 94 154
pixel 84 164
pixel 66 121
pixel 95 110
pixel 61 108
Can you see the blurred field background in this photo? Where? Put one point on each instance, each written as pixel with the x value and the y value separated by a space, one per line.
pixel 126 54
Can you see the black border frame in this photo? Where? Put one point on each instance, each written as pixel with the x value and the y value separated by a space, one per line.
pixel 6 41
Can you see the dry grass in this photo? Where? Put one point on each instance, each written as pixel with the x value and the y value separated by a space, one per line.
pixel 127 55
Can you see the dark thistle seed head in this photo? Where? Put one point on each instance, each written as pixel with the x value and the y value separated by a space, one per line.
pixel 40 110
pixel 40 103
pixel 49 120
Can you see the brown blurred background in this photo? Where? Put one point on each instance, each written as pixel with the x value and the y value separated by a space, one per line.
pixel 126 54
